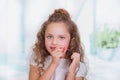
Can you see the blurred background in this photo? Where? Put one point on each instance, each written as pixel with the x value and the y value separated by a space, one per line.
pixel 99 27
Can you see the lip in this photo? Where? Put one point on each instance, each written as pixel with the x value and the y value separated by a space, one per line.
pixel 52 48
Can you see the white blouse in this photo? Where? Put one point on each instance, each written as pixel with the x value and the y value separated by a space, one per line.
pixel 62 69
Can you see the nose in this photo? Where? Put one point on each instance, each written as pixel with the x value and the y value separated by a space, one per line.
pixel 54 41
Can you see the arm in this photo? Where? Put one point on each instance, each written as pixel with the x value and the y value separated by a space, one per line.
pixel 35 75
pixel 49 72
pixel 73 66
pixel 71 76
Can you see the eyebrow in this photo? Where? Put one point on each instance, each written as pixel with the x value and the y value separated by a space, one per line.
pixel 52 34
pixel 49 33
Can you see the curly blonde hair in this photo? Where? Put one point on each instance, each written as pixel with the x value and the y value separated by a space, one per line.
pixel 39 49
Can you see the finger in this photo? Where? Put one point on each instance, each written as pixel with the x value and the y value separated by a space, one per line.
pixel 59 52
pixel 60 48
pixel 59 55
pixel 72 56
pixel 64 50
pixel 57 49
pixel 75 55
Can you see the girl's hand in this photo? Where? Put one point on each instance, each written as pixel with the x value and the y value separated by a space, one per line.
pixel 75 62
pixel 57 54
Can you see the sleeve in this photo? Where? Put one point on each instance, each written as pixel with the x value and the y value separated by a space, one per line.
pixel 31 60
pixel 81 72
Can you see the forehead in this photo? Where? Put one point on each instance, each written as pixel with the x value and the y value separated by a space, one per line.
pixel 58 27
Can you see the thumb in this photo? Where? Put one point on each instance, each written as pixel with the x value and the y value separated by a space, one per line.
pixel 72 57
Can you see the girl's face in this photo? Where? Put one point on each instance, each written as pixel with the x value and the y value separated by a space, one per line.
pixel 57 35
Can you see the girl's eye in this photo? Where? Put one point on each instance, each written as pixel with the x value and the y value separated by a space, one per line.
pixel 49 37
pixel 62 37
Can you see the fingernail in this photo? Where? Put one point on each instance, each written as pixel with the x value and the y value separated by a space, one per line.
pixel 63 49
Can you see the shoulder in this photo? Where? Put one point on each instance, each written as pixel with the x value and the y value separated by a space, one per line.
pixel 82 65
pixel 81 71
pixel 32 60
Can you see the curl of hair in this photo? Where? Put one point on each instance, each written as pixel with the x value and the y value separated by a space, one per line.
pixel 59 15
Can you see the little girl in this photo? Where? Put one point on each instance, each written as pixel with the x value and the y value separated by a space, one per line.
pixel 57 53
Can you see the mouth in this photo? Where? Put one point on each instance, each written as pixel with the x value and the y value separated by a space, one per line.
pixel 52 48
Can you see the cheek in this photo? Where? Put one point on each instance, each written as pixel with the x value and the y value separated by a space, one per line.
pixel 47 43
pixel 66 44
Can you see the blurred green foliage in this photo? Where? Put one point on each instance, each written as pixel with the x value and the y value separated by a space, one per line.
pixel 107 38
